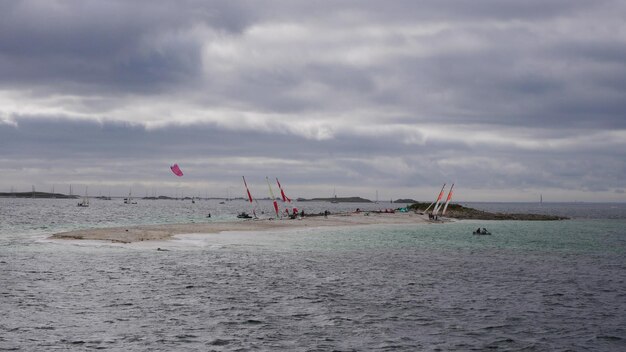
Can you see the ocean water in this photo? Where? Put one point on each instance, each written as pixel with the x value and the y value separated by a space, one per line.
pixel 531 286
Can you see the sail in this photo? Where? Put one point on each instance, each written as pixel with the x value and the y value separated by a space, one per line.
pixel 445 207
pixel 287 200
pixel 438 200
pixel 282 192
pixel 176 170
pixel 272 196
pixel 247 190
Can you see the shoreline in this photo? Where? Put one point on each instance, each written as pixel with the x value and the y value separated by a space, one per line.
pixel 138 233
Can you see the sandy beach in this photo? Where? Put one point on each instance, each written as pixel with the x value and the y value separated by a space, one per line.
pixel 130 234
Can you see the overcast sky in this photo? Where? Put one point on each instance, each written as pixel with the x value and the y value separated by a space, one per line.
pixel 508 99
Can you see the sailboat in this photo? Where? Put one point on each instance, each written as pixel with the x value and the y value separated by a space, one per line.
pixel 436 210
pixel 287 200
pixel 445 207
pixel 129 199
pixel 272 197
pixel 436 201
pixel 244 215
pixel 334 200
pixel 85 201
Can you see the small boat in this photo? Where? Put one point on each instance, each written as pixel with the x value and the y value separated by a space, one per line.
pixel 85 201
pixel 482 231
pixel 244 215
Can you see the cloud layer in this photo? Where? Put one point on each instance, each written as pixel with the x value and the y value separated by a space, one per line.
pixel 508 99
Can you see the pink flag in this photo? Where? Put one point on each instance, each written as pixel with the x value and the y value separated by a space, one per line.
pixel 176 170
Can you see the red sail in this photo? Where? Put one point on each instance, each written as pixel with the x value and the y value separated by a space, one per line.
pixel 276 207
pixel 247 190
pixel 282 192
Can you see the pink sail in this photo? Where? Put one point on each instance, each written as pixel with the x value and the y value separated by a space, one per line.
pixel 176 170
pixel 282 193
pixel 247 190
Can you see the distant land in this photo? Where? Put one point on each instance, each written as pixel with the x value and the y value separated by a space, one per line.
pixel 337 200
pixel 354 200
pixel 35 195
pixel 458 211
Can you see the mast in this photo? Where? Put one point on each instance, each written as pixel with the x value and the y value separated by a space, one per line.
pixel 438 198
pixel 436 210
pixel 445 207
pixel 250 199
pixel 272 196
pixel 247 190
pixel 286 199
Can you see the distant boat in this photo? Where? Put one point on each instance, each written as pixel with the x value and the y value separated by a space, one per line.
pixel 482 231
pixel 85 201
pixel 129 199
pixel 334 200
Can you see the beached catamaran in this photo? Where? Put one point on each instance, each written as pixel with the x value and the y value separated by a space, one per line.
pixel 286 200
pixel 250 199
pixel 437 201
pixel 445 207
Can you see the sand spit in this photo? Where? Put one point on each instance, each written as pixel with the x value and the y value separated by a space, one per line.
pixel 130 234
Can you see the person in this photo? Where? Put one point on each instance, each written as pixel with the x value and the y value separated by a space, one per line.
pixel 325 213
pixel 302 213
pixel 484 231
pixel 477 230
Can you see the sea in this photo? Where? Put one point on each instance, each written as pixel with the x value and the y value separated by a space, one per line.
pixel 530 286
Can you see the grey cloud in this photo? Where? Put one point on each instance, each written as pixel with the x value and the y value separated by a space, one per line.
pixel 128 153
pixel 553 71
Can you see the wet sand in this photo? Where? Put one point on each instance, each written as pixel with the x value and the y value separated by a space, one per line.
pixel 130 234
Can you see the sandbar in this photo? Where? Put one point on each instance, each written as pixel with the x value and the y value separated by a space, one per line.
pixel 129 234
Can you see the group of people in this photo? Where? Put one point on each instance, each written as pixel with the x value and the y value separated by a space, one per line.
pixel 294 213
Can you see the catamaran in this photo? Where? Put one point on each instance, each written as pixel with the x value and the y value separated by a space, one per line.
pixel 251 200
pixel 287 200
pixel 445 207
pixel 437 201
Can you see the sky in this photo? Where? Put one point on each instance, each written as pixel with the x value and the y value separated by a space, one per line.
pixel 509 100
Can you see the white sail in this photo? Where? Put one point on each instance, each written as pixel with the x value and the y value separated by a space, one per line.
pixel 438 199
pixel 445 207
